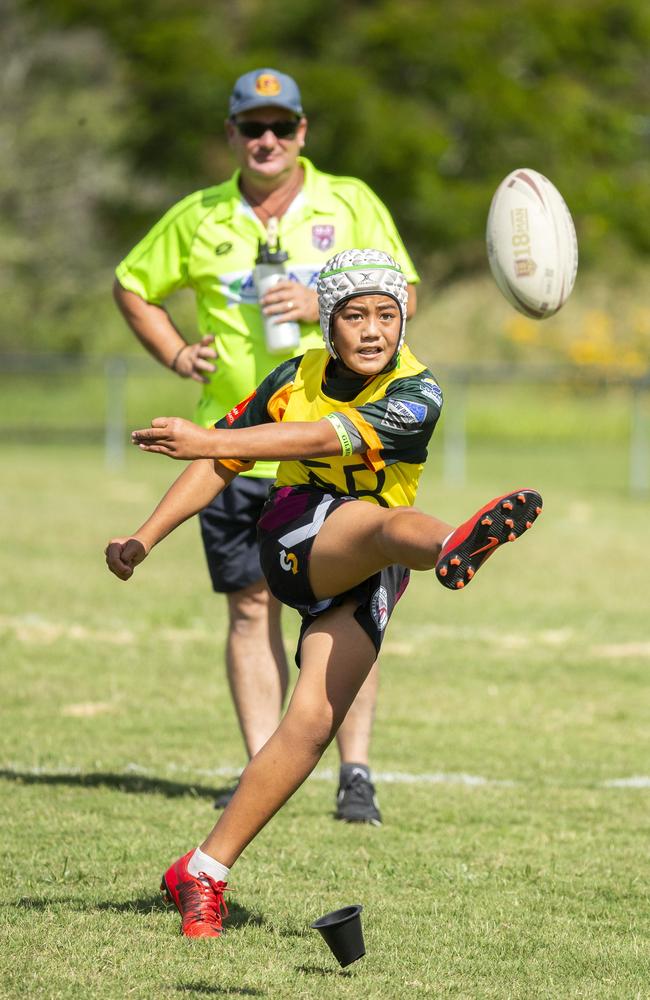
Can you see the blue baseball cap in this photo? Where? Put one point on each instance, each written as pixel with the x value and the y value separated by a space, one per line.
pixel 262 88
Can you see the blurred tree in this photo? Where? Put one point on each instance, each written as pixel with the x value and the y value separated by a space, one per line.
pixel 63 115
pixel 432 103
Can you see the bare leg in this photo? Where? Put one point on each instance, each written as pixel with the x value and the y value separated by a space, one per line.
pixel 353 737
pixel 374 537
pixel 258 677
pixel 359 539
pixel 256 663
pixel 378 538
pixel 336 658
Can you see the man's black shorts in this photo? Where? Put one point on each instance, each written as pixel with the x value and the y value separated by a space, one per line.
pixel 229 532
pixel 287 529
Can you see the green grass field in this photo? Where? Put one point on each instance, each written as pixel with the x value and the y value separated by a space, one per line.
pixel 513 860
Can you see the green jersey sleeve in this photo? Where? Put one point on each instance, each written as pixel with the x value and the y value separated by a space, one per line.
pixel 267 403
pixel 403 420
pixel 373 223
pixel 158 264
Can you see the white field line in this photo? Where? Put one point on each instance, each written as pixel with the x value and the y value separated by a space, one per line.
pixel 637 781
pixel 386 777
pixel 34 628
pixel 231 773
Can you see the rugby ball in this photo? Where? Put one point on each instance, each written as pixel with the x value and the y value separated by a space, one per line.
pixel 531 244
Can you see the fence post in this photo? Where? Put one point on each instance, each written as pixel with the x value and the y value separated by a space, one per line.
pixel 639 477
pixel 454 467
pixel 115 371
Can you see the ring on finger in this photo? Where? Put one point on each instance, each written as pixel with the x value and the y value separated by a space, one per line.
pixel 290 304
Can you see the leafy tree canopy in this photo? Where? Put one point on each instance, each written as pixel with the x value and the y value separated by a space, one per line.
pixel 115 109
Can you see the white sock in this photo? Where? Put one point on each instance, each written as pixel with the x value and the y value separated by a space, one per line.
pixel 202 864
pixel 446 540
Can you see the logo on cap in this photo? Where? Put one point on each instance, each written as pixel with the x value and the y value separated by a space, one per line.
pixel 268 85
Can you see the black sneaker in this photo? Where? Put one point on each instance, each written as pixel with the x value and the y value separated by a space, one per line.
pixel 356 801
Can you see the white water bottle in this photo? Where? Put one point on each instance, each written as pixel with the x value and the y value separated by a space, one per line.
pixel 282 337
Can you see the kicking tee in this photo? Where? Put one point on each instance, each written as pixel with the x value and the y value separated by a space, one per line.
pixel 383 425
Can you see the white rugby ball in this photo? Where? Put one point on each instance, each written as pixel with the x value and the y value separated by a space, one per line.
pixel 531 244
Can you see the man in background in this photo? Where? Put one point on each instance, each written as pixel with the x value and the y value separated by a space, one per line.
pixel 209 242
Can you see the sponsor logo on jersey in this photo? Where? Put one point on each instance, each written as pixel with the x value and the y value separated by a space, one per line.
pixel 237 411
pixel 432 390
pixel 238 287
pixel 322 237
pixel 402 413
pixel 379 608
pixel 289 561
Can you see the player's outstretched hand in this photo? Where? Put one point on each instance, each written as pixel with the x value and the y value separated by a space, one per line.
pixel 176 438
pixel 123 555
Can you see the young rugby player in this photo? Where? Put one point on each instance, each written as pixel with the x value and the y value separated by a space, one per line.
pixel 350 425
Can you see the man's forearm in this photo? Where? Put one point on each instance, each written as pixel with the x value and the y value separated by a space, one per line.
pixel 151 324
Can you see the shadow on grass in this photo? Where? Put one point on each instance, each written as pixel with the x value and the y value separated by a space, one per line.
pixel 219 991
pixel 238 916
pixel 131 784
pixel 320 970
pixel 145 904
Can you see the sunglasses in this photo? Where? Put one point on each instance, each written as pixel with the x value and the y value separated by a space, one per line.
pixel 255 130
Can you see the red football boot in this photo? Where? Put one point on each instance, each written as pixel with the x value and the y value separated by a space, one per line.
pixel 502 520
pixel 199 901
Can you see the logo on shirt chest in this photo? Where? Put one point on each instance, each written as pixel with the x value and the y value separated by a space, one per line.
pixel 402 414
pixel 322 237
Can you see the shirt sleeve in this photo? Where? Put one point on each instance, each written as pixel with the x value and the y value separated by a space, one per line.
pixel 398 427
pixel 265 405
pixel 158 264
pixel 376 228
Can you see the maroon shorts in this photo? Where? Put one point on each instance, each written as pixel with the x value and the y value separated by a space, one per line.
pixel 290 522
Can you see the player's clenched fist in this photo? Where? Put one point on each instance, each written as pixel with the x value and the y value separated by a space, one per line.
pixel 123 555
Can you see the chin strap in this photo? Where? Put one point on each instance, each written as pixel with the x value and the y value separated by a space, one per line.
pixel 393 363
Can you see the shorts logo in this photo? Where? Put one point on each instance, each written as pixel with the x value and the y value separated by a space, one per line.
pixel 289 561
pixel 237 411
pixel 402 413
pixel 322 237
pixel 433 391
pixel 379 608
pixel 268 85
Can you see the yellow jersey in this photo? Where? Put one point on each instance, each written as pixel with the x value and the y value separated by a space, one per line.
pixel 383 425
